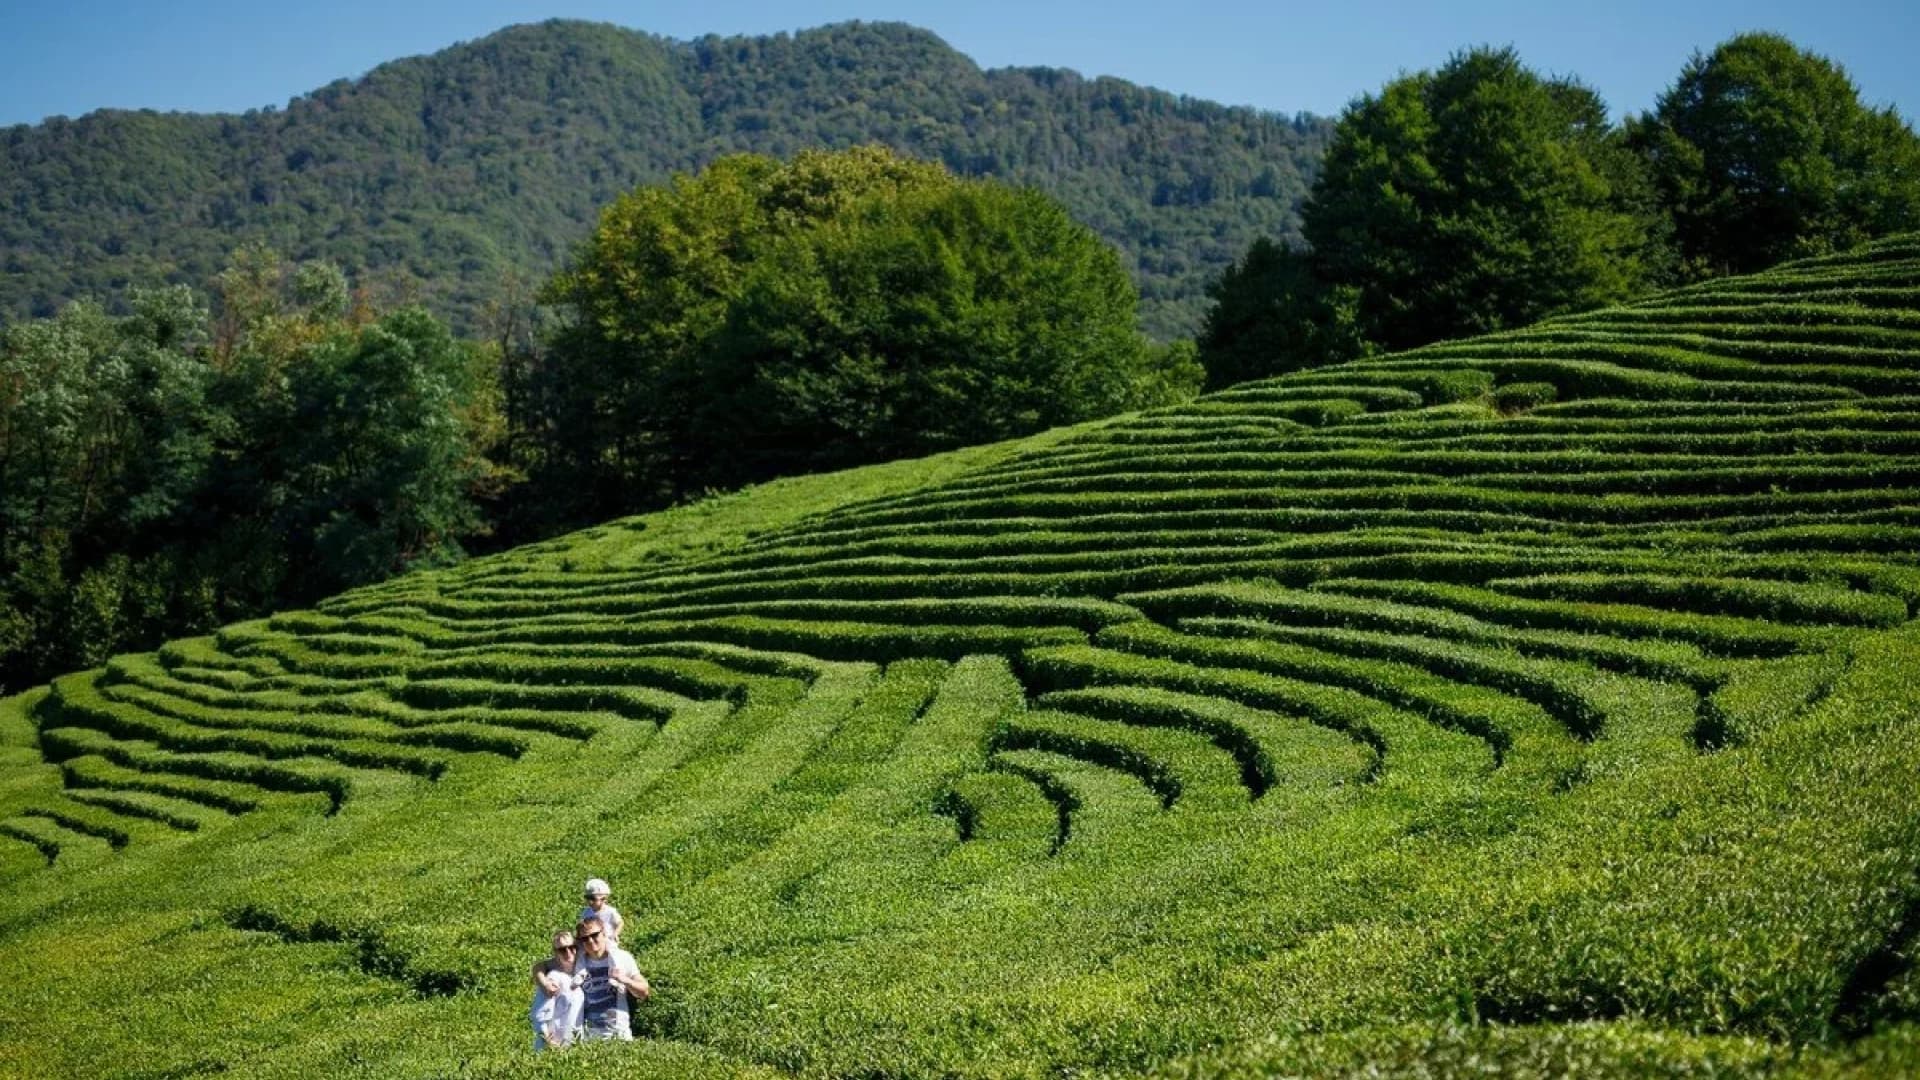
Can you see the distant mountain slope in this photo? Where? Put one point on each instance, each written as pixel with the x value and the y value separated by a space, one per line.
pixel 1540 704
pixel 441 173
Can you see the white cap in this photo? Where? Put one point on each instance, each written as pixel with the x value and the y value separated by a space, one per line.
pixel 596 887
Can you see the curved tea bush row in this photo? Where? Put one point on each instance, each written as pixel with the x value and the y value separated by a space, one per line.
pixel 1655 659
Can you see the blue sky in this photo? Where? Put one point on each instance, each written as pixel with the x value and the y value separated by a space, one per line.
pixel 226 55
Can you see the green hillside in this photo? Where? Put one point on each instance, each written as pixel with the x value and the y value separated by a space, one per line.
pixel 1541 703
pixel 438 176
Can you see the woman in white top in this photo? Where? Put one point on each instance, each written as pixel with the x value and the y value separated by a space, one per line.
pixel 558 998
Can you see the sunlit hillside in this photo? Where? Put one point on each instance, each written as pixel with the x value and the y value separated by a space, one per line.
pixel 1545 702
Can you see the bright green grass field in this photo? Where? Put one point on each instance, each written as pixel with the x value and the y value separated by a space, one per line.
pixel 1542 703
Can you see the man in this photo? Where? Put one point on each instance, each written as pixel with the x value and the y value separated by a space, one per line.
pixel 557 998
pixel 610 981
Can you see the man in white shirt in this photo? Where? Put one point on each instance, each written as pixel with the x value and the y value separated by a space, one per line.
pixel 610 982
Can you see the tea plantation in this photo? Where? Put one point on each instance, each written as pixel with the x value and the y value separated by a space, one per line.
pixel 1544 702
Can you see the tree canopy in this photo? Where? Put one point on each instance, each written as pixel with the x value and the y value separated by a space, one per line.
pixel 1478 196
pixel 1475 197
pixel 1764 152
pixel 168 471
pixel 763 318
pixel 1453 202
pixel 1271 314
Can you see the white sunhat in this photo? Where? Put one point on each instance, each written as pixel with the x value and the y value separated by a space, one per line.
pixel 596 887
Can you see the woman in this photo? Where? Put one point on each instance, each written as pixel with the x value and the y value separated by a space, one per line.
pixel 557 996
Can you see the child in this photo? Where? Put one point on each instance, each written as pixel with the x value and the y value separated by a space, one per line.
pixel 598 908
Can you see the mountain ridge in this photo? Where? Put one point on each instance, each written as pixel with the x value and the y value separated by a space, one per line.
pixel 434 177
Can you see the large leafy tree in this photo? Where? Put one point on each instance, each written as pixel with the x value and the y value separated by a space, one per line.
pixel 936 318
pixel 1764 152
pixel 1453 202
pixel 763 318
pixel 378 471
pixel 106 434
pixel 1479 196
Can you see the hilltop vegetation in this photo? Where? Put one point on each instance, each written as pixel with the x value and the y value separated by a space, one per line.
pixel 1483 195
pixel 171 470
pixel 764 318
pixel 443 176
pixel 1540 702
pixel 1766 152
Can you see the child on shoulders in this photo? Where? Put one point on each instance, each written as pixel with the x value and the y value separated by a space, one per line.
pixel 598 908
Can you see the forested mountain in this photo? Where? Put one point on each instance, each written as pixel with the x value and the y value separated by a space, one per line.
pixel 439 176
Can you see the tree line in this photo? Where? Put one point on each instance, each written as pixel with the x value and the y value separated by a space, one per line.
pixel 1483 195
pixel 173 469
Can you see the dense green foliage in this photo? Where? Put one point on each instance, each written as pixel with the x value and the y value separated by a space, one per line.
pixel 164 472
pixel 1475 197
pixel 167 471
pixel 1272 313
pixel 1483 196
pixel 762 319
pixel 437 176
pixel 1533 704
pixel 1457 201
pixel 1763 152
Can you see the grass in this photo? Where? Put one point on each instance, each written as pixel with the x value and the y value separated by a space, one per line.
pixel 1535 704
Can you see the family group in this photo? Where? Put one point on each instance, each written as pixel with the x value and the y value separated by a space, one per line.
pixel 586 988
